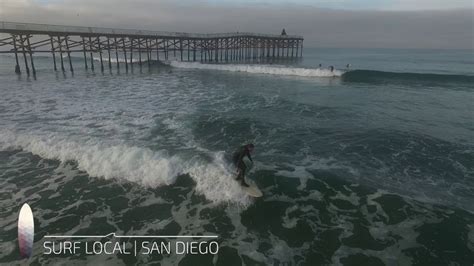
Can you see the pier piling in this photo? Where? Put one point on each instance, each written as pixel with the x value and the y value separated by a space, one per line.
pixel 30 51
pixel 108 52
pixel 157 50
pixel 61 53
pixel 24 55
pixel 92 55
pixel 116 53
pixel 17 66
pixel 147 52
pixel 131 52
pixel 139 53
pixel 100 54
pixel 53 54
pixel 125 55
pixel 84 50
pixel 181 49
pixel 69 54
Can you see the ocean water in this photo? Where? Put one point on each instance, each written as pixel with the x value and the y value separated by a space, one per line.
pixel 370 165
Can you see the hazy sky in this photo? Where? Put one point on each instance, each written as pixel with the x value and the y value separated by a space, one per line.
pixel 323 23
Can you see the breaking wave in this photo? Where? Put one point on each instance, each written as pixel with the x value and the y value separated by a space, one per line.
pixel 135 164
pixel 261 69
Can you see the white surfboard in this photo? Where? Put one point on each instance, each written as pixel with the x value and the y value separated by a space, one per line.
pixel 252 190
pixel 26 230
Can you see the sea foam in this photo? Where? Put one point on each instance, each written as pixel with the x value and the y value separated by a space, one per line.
pixel 261 69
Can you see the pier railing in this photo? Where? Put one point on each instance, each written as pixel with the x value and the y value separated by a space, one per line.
pixel 123 44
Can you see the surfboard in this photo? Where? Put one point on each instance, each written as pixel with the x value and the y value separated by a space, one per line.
pixel 26 230
pixel 252 190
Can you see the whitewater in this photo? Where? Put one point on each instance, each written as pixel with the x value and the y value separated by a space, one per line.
pixel 260 69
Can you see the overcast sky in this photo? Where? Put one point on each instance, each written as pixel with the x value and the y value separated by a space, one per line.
pixel 323 23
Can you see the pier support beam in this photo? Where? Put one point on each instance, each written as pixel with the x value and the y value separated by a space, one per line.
pixel 157 50
pixel 100 54
pixel 131 53
pixel 268 47
pixel 69 54
pixel 194 50
pixel 52 52
pixel 189 49
pixel 61 53
pixel 84 51
pixel 278 48
pixel 297 47
pixel 166 49
pixel 274 47
pixel 125 54
pixel 148 48
pixel 17 66
pixel 292 48
pixel 108 52
pixel 200 50
pixel 92 56
pixel 31 55
pixel 216 43
pixel 24 55
pixel 174 48
pixel 116 53
pixel 301 51
pixel 147 52
pixel 139 52
pixel 181 49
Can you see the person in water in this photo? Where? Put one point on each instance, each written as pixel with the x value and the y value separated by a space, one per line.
pixel 237 159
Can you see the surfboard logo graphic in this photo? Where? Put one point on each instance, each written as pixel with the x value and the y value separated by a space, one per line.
pixel 26 230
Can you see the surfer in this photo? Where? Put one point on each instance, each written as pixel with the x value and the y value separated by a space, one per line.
pixel 237 159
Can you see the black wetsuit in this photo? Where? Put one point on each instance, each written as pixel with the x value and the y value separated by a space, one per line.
pixel 237 159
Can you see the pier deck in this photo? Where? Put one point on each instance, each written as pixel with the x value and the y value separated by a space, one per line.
pixel 122 44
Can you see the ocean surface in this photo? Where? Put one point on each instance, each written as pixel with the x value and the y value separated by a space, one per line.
pixel 367 165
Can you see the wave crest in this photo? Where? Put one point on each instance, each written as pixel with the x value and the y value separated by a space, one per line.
pixel 261 69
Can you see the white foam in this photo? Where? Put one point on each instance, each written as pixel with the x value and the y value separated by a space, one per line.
pixel 261 69
pixel 287 221
pixel 216 182
pixel 135 164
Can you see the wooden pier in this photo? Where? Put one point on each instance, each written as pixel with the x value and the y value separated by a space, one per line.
pixel 118 47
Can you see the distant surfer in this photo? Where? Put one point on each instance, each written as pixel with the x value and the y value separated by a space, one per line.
pixel 238 160
pixel 331 68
